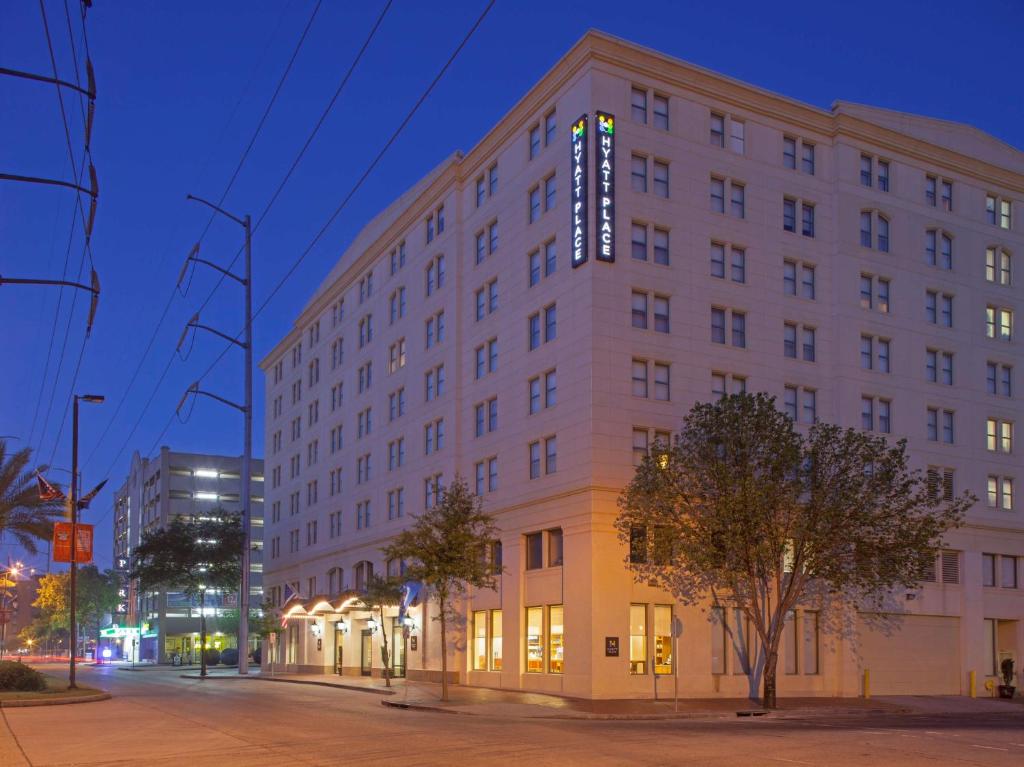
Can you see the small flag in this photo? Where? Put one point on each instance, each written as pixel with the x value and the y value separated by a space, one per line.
pixel 83 503
pixel 48 492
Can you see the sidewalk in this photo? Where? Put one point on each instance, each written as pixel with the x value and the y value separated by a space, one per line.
pixel 478 701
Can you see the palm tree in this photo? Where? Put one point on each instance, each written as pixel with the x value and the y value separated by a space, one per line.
pixel 22 514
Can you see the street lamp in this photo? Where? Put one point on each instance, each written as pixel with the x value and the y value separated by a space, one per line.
pixel 93 287
pixel 93 399
pixel 246 281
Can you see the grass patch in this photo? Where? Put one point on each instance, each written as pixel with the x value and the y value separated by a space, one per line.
pixel 55 688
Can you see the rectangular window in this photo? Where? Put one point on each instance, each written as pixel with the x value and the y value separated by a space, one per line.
pixel 555 547
pixel 661 112
pixel 717 195
pixel 496 649
pixel 638 639
pixel 737 133
pixel 663 654
pixel 550 127
pixel 661 246
pixel 534 640
pixel 638 173
pixel 661 188
pixel 534 460
pixel 638 104
pixel 717 130
pixel 479 640
pixel 809 619
pixel 556 639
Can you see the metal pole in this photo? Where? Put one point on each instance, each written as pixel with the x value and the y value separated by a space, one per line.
pixel 243 600
pixel 74 540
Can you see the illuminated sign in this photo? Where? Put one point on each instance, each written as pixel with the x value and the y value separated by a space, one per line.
pixel 580 184
pixel 604 149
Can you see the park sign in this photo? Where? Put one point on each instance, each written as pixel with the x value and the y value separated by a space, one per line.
pixel 580 182
pixel 604 149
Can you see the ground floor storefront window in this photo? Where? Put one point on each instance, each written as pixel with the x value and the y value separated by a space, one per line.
pixel 663 657
pixel 556 632
pixel 637 639
pixel 535 640
pixel 487 640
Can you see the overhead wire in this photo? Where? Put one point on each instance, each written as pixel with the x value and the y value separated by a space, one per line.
pixel 170 299
pixel 323 229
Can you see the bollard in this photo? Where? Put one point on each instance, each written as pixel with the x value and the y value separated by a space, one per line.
pixel 972 683
pixel 867 683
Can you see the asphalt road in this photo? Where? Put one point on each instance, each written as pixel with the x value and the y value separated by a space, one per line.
pixel 157 718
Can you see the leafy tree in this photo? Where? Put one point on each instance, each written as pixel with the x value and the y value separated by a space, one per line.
pixel 447 549
pixel 96 596
pixel 22 514
pixel 192 557
pixel 381 592
pixel 261 620
pixel 748 511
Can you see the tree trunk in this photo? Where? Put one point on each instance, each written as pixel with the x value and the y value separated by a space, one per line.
pixel 444 652
pixel 771 661
pixel 384 654
pixel 202 633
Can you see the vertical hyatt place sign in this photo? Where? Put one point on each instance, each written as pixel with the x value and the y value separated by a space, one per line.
pixel 604 162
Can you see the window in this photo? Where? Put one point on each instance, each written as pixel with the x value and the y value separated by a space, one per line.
pixel 940 422
pixel 661 179
pixel 807 158
pixel 550 189
pixel 798 338
pixel 792 148
pixel 939 366
pixel 638 639
pixel 874 353
pixel 638 102
pixel 876 414
pixel 396 356
pixel 534 551
pixel 999 323
pixel 737 262
pixel 337 353
pixel 789 209
pixel 434 330
pixel 999 435
pixel 550 323
pixel 550 127
pixel 997 211
pixel 717 129
pixel 639 378
pixel 555 547
pixel 365 377
pixel 879 169
pixel 737 197
pixel 492 180
pixel 365 330
pixel 556 639
pixel 435 275
pixel 999 379
pixel 534 139
pixel 1000 492
pixel 800 404
pixel 723 384
pixel 661 112
pixel 874 293
pixel 938 249
pixel 397 305
pixel 872 221
pixel 432 491
pixel 638 173
pixel 537 400
pixel 533 204
pixel 931 185
pixel 550 455
pixel 496 648
pixel 534 460
pixel 939 482
pixel 737 133
pixel 640 446
pixel 639 304
pixel 738 322
pixel 433 383
pixel 481 192
pixel 534 640
pixel 998 266
pixel 789 152
pixel 939 309
pixel 798 279
pixel 479 640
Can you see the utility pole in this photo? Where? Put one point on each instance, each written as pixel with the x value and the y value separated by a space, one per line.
pixel 94 398
pixel 245 408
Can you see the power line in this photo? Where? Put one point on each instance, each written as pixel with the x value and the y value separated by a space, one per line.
pixel 234 176
pixel 298 158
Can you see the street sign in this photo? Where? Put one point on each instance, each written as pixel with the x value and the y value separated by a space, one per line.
pixel 62 542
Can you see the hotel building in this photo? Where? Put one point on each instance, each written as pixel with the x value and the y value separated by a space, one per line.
pixel 156 626
pixel 855 262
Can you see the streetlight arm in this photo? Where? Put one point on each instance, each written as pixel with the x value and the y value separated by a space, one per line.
pixel 220 210
pixel 216 332
pixel 90 92
pixel 212 265
pixel 93 192
pixel 195 390
pixel 94 289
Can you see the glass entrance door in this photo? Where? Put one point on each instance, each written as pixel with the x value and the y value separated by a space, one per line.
pixel 366 659
pixel 397 650
pixel 338 654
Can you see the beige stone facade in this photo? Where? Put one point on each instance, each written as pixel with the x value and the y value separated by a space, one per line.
pixel 855 262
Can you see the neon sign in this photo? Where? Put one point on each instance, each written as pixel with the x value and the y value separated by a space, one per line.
pixel 604 149
pixel 580 183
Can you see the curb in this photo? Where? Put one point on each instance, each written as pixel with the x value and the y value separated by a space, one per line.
pixel 57 701
pixel 421 707
pixel 356 688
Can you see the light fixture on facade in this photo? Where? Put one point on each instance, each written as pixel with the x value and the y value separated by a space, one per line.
pixel 317 629
pixel 341 626
pixel 371 624
pixel 205 496
pixel 211 473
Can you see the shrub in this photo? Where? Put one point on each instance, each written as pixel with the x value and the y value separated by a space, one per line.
pixel 18 676
pixel 212 656
pixel 229 656
pixel 1006 667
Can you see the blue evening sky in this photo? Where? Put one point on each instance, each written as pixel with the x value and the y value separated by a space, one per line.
pixel 181 86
